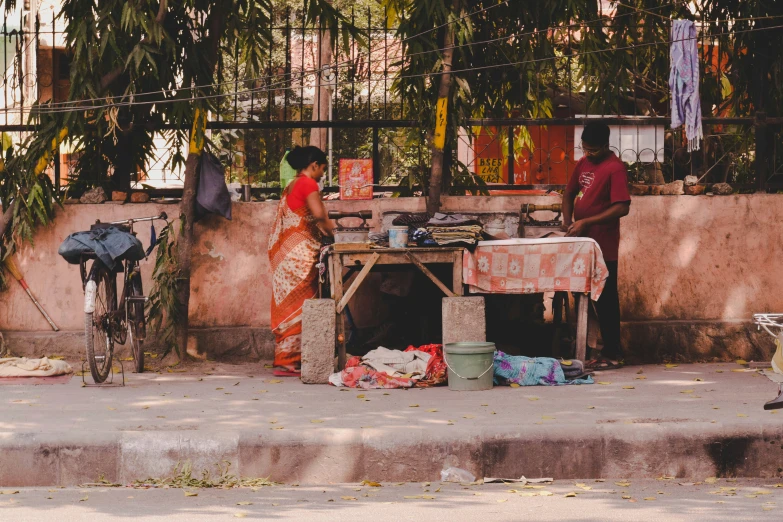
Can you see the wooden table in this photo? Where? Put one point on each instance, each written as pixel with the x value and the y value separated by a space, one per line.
pixel 362 262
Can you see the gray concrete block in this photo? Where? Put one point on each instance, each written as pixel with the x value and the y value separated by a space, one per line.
pixel 464 320
pixel 318 338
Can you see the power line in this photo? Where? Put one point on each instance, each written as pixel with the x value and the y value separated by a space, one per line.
pixel 45 110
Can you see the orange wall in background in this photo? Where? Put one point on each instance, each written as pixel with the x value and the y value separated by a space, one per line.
pixel 546 164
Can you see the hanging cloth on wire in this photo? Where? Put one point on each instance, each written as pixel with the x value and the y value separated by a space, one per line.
pixel 684 81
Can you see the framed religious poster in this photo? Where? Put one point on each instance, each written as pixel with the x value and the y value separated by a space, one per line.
pixel 355 178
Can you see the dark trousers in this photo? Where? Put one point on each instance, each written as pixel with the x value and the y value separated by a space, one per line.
pixel 608 307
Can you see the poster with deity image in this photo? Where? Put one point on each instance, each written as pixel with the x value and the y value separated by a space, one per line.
pixel 355 179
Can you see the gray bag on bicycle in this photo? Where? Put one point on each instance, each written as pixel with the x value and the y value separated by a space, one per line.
pixel 110 245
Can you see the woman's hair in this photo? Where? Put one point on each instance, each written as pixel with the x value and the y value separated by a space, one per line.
pixel 301 157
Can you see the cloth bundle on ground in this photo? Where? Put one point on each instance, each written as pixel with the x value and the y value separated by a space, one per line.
pixel 24 367
pixel 531 371
pixel 385 368
pixel 110 244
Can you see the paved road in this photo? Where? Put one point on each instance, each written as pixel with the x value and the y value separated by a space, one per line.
pixel 642 500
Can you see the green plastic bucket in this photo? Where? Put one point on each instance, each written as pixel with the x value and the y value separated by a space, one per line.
pixel 470 365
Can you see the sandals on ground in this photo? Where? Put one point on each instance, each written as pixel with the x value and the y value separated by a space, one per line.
pixel 602 364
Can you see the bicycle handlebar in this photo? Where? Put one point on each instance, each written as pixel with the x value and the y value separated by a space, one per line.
pixel 163 216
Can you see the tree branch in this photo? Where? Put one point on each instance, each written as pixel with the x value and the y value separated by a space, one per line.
pixel 110 77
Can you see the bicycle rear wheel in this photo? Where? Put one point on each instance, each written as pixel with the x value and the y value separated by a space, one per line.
pixel 136 321
pixel 98 323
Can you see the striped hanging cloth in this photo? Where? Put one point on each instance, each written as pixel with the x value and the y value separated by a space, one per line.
pixel 684 82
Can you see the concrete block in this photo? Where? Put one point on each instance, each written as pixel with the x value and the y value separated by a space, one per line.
pixel 464 320
pixel 318 337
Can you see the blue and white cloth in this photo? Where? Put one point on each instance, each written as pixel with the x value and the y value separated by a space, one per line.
pixel 531 371
pixel 684 82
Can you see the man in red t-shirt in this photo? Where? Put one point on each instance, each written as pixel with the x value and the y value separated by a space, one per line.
pixel 593 203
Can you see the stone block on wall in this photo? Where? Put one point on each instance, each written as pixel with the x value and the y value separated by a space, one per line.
pixel 318 340
pixel 464 320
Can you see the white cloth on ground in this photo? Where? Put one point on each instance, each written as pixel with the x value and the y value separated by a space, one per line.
pixel 24 367
pixel 397 362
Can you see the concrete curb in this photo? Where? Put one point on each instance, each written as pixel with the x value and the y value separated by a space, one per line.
pixel 352 455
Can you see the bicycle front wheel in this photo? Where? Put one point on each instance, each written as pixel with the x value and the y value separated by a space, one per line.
pixel 98 322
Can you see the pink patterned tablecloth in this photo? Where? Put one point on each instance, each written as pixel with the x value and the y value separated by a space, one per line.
pixel 528 266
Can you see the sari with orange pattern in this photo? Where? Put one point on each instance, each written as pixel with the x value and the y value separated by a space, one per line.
pixel 294 245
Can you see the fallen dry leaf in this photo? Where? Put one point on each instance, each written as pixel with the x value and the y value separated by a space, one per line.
pixel 413 406
pixel 741 415
pixel 545 493
pixel 649 498
pixel 686 391
pixel 626 497
pixel 641 378
pixel 604 383
pixel 468 416
pixel 584 487
pixel 371 483
pixel 628 388
pixel 741 361
pixel 623 484
pixel 591 407
pixel 219 388
pixel 316 421
pixel 698 379
pixel 672 365
pixel 348 498
pixel 85 499
pixel 245 503
pixel 570 495
pixel 547 417
pixel 277 428
pixel 360 396
pixel 710 480
pixel 9 492
pixel 532 398
pixel 566 363
pixel 432 410
pixel 274 381
pixel 240 515
pixel 191 494
pixel 514 385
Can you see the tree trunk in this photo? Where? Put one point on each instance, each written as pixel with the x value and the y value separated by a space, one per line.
pixel 5 221
pixel 184 249
pixel 323 90
pixel 441 119
pixel 188 204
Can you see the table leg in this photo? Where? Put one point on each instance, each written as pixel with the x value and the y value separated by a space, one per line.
pixel 457 274
pixel 337 284
pixel 582 304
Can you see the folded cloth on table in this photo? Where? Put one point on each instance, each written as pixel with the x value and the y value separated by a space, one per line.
pixel 528 371
pixel 24 367
pixel 450 220
pixel 469 234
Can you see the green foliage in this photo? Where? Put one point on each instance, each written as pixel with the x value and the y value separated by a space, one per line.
pixel 163 305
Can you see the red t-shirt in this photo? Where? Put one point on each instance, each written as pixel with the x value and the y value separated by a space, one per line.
pixel 600 187
pixel 301 187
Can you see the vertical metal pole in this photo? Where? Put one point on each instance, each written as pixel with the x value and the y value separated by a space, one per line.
pixel 329 140
pixel 55 79
pixel 510 165
pixel 760 135
pixel 376 158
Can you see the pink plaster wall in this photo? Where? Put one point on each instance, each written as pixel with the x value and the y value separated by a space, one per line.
pixel 682 258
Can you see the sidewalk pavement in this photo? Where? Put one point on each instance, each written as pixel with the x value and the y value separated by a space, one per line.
pixel 691 421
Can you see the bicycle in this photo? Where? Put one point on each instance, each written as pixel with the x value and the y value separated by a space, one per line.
pixel 105 323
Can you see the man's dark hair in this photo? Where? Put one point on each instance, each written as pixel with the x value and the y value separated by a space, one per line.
pixel 596 133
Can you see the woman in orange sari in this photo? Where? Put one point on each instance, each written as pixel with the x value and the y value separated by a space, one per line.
pixel 294 245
